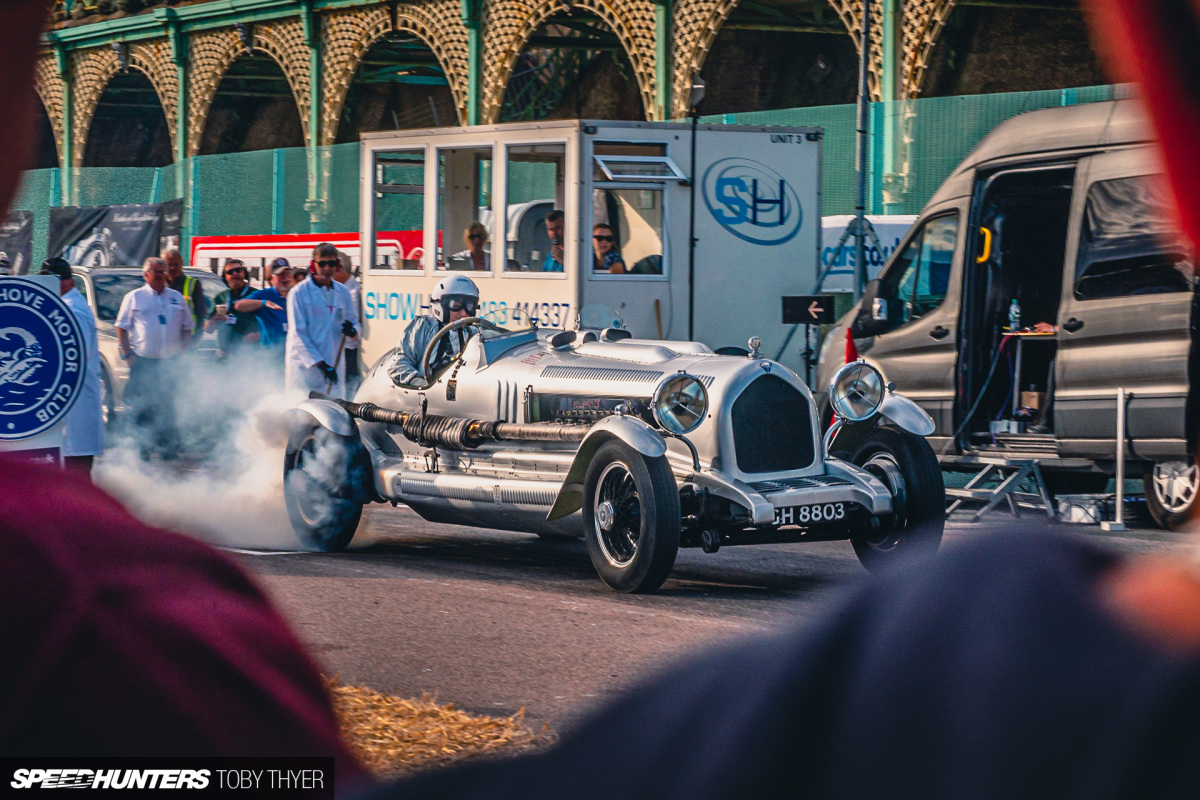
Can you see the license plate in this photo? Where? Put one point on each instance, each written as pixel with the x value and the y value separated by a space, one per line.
pixel 810 515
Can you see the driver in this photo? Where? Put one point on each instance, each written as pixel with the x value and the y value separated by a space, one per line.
pixel 453 298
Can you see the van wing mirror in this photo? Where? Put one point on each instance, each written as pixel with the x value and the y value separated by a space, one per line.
pixel 868 321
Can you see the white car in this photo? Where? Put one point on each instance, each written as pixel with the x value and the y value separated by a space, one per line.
pixel 641 447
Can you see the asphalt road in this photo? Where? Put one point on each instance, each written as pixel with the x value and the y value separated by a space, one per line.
pixel 498 622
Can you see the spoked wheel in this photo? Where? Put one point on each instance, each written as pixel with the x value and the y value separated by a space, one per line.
pixel 907 466
pixel 631 518
pixel 1172 488
pixel 324 480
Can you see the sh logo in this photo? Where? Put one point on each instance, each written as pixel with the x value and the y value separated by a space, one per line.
pixel 752 201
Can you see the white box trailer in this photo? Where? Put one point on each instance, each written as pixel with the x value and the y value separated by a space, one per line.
pixel 751 198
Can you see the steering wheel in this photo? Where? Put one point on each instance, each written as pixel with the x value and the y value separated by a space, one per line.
pixel 458 324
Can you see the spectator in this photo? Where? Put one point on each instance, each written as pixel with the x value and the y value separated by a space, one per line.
pixel 268 308
pixel 555 224
pixel 320 320
pixel 345 277
pixel 84 435
pixel 607 256
pixel 154 327
pixel 187 286
pixel 231 328
pixel 125 640
pixel 299 276
pixel 476 238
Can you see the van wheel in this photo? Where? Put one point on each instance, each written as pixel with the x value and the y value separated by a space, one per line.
pixel 324 480
pixel 631 518
pixel 907 466
pixel 1171 492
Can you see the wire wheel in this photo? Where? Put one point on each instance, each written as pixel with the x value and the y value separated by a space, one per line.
pixel 324 480
pixel 631 518
pixel 906 465
pixel 618 516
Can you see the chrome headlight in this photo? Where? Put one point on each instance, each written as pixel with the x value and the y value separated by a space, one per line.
pixel 680 403
pixel 855 391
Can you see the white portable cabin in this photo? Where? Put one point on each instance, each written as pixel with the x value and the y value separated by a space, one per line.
pixel 754 208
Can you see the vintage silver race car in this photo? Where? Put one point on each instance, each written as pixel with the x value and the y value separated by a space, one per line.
pixel 639 446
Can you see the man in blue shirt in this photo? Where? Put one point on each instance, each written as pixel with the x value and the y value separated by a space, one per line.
pixel 554 229
pixel 269 307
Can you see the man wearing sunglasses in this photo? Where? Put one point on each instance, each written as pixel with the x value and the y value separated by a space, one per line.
pixel 454 297
pixel 321 319
pixel 230 326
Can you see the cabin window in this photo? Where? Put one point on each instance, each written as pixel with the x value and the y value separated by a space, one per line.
pixel 464 209
pixel 399 210
pixel 535 235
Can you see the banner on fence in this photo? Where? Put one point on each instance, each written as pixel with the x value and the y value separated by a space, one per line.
pixel 16 241
pixel 108 236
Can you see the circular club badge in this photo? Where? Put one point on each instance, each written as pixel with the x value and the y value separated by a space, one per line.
pixel 42 359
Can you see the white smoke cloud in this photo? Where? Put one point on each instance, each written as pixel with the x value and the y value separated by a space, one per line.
pixel 228 487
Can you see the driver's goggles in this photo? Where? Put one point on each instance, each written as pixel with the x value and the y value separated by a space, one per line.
pixel 463 305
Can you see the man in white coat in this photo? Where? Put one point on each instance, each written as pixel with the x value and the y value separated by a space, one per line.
pixel 84 434
pixel 321 318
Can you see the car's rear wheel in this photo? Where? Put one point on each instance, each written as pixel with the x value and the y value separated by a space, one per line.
pixel 907 466
pixel 324 480
pixel 630 518
pixel 1172 490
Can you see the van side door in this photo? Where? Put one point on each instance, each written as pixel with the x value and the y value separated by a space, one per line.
pixel 913 317
pixel 1124 321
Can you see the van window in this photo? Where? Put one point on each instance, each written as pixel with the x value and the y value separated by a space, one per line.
pixel 1129 244
pixel 916 282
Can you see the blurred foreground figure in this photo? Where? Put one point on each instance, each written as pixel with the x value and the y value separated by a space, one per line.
pixel 121 639
pixel 1021 665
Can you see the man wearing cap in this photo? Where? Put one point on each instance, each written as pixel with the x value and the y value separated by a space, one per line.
pixel 268 308
pixel 154 327
pixel 231 327
pixel 84 434
pixel 320 321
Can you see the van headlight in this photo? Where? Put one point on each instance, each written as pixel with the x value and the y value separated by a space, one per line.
pixel 680 404
pixel 855 391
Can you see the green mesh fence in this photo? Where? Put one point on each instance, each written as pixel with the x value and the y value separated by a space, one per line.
pixel 913 146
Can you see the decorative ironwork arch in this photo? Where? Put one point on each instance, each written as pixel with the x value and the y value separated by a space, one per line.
pixel 348 35
pixel 49 86
pixel 92 69
pixel 212 52
pixel 695 26
pixel 508 24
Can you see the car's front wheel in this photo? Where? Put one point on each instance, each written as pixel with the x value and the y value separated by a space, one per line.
pixel 1172 490
pixel 907 466
pixel 324 480
pixel 630 518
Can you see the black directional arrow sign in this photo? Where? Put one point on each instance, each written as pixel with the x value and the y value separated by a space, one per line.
pixel 811 309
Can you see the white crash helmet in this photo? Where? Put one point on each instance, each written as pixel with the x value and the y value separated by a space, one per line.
pixel 450 289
